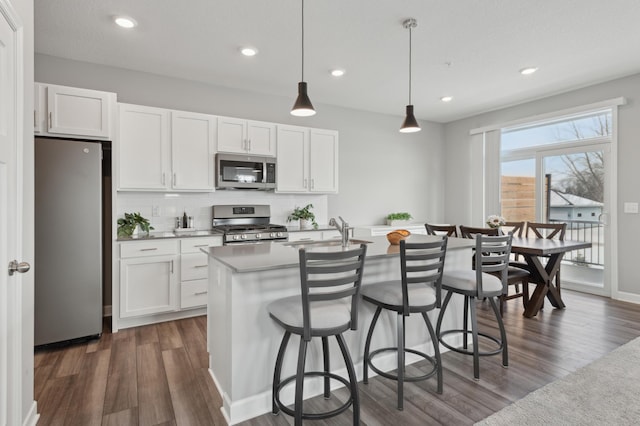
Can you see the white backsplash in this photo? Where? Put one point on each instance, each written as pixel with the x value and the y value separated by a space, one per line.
pixel 198 205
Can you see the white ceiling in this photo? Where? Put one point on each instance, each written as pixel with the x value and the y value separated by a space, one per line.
pixel 469 49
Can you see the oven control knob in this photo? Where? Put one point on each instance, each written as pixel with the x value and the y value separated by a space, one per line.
pixel 279 234
pixel 258 236
pixel 272 235
pixel 244 236
pixel 235 237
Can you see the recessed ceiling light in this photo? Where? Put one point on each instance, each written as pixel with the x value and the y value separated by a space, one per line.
pixel 125 22
pixel 249 51
pixel 337 73
pixel 446 98
pixel 528 70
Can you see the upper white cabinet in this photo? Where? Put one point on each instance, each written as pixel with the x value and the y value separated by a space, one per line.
pixel 246 137
pixel 143 148
pixel 307 160
pixel 323 160
pixel 165 150
pixel 70 111
pixel 192 151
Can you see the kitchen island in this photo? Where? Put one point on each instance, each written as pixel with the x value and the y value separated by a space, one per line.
pixel 243 341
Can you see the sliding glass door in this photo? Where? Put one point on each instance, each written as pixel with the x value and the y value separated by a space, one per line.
pixel 558 171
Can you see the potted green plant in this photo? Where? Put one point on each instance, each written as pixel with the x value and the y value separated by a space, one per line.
pixel 130 224
pixel 400 218
pixel 304 215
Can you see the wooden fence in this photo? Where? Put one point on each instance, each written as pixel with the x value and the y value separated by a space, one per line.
pixel 518 198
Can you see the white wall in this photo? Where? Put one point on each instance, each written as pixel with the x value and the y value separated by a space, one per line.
pixel 458 161
pixel 381 170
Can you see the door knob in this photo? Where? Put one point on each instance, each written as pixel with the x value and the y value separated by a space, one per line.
pixel 21 267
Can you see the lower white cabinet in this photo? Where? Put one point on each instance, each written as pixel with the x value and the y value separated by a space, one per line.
pixel 163 276
pixel 194 271
pixel 148 277
pixel 314 235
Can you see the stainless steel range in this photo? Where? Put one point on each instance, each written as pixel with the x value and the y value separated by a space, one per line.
pixel 247 224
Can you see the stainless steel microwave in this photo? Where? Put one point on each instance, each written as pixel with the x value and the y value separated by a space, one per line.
pixel 237 171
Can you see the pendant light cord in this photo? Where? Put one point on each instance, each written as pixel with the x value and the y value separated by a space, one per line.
pixel 302 40
pixel 409 65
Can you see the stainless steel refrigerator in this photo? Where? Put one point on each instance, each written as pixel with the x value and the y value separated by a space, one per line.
pixel 68 240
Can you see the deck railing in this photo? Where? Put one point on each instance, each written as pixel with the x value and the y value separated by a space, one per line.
pixel 583 230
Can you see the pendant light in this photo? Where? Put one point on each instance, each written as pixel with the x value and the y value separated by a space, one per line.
pixel 410 123
pixel 303 107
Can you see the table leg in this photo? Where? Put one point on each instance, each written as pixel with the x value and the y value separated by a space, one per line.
pixel 543 277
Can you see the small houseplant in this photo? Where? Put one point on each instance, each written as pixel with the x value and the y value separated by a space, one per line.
pixel 304 215
pixel 127 226
pixel 399 218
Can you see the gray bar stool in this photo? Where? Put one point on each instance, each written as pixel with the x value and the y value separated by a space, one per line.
pixel 491 257
pixel 417 291
pixel 330 284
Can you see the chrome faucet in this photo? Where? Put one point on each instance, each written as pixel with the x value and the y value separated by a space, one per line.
pixel 343 229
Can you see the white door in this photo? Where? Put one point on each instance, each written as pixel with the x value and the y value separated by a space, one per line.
pixel 10 228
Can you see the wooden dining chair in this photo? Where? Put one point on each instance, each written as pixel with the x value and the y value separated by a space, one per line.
pixel 448 230
pixel 515 275
pixel 548 231
pixel 517 228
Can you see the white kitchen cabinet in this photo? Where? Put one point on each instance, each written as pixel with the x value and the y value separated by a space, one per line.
pixel 192 151
pixel 73 112
pixel 315 235
pixel 307 160
pixel 305 236
pixel 148 277
pixel 323 161
pixel 162 150
pixel 194 272
pixel 246 137
pixel 159 279
pixel 143 148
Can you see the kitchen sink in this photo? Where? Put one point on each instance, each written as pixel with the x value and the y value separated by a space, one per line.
pixel 323 243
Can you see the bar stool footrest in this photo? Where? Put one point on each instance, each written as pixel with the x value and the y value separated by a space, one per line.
pixel 470 352
pixel 313 416
pixel 434 364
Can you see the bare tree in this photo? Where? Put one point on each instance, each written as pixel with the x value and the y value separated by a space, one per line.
pixel 585 171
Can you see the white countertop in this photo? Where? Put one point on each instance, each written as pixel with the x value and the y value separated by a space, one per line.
pixel 277 255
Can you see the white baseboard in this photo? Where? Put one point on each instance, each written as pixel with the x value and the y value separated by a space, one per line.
pixel 626 297
pixel 32 416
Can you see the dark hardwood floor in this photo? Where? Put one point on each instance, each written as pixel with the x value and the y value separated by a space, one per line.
pixel 157 374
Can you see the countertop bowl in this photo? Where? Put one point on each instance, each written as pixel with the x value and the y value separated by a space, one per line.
pixel 394 237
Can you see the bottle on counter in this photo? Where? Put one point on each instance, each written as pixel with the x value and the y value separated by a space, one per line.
pixel 185 221
pixel 178 222
pixel 191 224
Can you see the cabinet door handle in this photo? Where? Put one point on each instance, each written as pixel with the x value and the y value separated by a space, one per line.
pixel 149 249
pixel 202 245
pixel 50 119
pixel 35 118
pixel 163 174
pixel 175 179
pixel 200 293
pixel 171 268
pixel 304 185
pixel 313 183
pixel 201 266
pixel 249 141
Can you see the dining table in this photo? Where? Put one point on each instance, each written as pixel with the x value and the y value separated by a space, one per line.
pixel 543 257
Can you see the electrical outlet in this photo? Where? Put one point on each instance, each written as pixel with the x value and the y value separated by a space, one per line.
pixel 631 207
pixel 155 211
